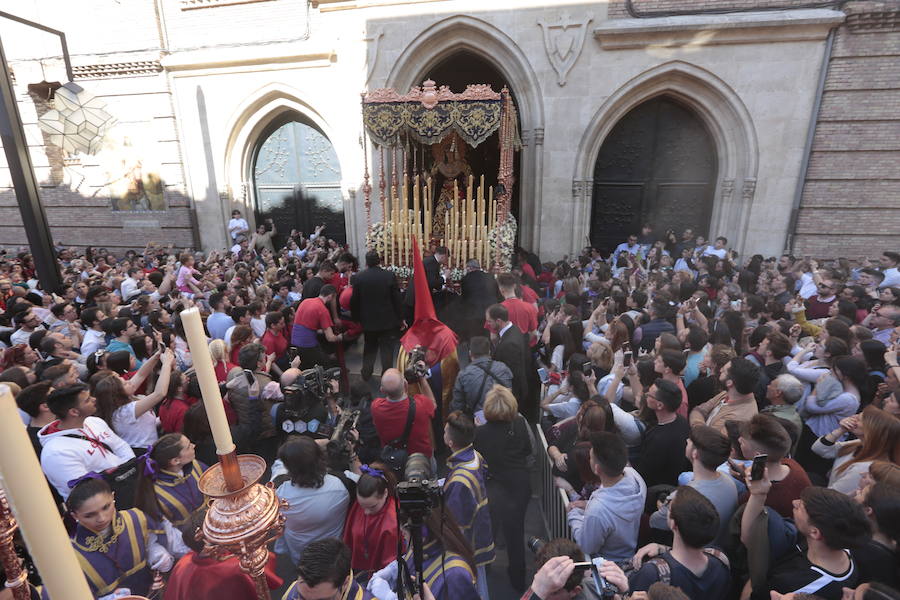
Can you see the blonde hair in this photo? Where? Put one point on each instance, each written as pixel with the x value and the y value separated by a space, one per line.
pixel 601 355
pixel 217 350
pixel 500 404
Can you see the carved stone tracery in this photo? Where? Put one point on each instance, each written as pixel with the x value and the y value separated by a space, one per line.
pixel 563 42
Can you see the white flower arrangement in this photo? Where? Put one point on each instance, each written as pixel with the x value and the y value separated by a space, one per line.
pixel 502 240
pixel 375 236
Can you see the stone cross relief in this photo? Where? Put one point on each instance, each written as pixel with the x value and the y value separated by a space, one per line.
pixel 564 42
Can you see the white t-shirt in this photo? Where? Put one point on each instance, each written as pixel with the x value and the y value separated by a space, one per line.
pixel 257 325
pixel 713 251
pixel 236 225
pixel 139 432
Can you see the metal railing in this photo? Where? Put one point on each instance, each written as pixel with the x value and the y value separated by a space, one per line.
pixel 553 500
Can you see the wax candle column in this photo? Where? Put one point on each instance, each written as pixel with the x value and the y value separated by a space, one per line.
pixel 206 377
pixel 34 509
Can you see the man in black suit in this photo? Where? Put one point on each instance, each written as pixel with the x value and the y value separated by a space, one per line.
pixel 479 291
pixel 377 306
pixel 433 265
pixel 511 348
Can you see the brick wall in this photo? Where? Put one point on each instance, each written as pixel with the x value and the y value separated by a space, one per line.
pixel 851 199
pixel 617 9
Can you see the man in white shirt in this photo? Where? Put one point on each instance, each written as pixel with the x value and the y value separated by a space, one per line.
pixel 78 442
pixel 889 264
pixel 94 336
pixel 28 322
pixel 631 247
pixel 718 250
pixel 130 286
pixel 237 225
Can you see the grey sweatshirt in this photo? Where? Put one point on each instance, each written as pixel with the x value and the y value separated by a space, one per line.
pixel 608 525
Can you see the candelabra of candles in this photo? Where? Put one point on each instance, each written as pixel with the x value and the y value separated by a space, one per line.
pixel 467 223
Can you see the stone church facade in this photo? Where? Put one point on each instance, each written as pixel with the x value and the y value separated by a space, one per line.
pixel 777 128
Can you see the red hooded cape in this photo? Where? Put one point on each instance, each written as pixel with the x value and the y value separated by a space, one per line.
pixel 426 330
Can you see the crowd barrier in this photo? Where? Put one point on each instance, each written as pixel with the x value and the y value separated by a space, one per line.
pixel 553 499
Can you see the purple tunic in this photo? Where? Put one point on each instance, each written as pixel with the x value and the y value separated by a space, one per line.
pixel 119 560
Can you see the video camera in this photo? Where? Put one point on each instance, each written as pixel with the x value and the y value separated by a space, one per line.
pixel 303 410
pixel 413 371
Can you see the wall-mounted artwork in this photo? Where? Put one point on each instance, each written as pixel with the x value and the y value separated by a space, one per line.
pixel 133 180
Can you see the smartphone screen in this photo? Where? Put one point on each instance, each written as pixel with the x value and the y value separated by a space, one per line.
pixel 543 375
pixel 627 358
pixel 758 468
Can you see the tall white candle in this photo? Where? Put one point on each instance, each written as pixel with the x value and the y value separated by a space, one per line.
pixel 34 509
pixel 206 377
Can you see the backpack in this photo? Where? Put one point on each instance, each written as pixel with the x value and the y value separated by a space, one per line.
pixel 664 572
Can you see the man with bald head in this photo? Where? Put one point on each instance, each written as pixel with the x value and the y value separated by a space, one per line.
pixel 391 413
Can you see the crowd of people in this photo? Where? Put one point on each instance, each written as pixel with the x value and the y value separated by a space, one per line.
pixel 723 427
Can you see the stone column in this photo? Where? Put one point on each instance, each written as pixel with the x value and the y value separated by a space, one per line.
pixel 527 214
pixel 537 188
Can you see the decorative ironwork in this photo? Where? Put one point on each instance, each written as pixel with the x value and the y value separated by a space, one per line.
pixel 120 69
pixel 274 155
pixel 429 114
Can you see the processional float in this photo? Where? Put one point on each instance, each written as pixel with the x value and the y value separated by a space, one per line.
pixel 428 190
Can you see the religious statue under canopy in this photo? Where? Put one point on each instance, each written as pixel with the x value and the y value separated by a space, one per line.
pixel 450 162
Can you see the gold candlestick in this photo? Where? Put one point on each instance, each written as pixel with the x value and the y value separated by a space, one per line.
pixel 16 575
pixel 243 521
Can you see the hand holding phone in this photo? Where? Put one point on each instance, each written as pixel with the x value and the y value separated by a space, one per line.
pixel 758 468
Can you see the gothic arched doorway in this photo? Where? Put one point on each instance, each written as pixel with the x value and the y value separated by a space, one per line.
pixel 297 179
pixel 658 165
pixel 456 71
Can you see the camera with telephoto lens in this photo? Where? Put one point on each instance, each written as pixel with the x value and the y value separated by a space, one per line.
pixel 417 494
pixel 414 372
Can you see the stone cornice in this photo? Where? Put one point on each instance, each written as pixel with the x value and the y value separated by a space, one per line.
pixel 332 5
pixel 195 4
pixel 709 30
pixel 243 56
pixel 119 69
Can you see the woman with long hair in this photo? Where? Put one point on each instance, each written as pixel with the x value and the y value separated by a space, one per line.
pixel 131 416
pixel 317 501
pixel 167 487
pixel 877 438
pixel 575 389
pixel 117 549
pixel 158 321
pixel 221 363
pixel 240 337
pixel 823 413
pixel 872 352
pixel 560 346
pixel 371 527
pixel 176 404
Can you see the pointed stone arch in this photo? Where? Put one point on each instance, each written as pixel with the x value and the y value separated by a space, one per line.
pixel 463 32
pixel 250 121
pixel 725 116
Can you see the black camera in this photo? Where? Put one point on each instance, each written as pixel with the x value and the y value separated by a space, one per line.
pixel 417 494
pixel 414 372
pixel 303 410
pixel 346 424
pixel 535 544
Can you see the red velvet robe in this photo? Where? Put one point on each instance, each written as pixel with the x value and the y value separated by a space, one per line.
pixel 372 538
pixel 206 577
